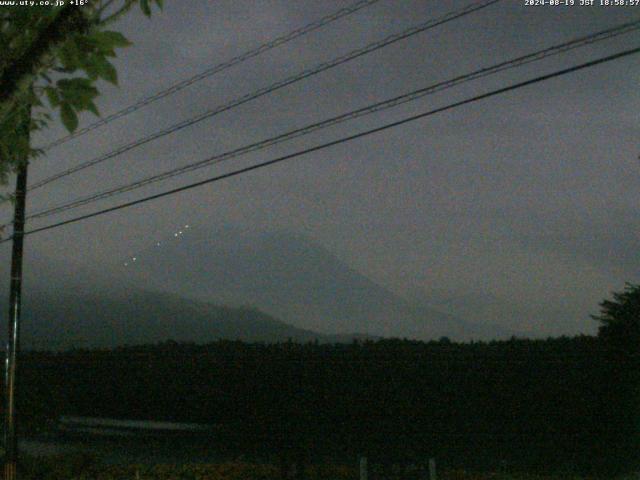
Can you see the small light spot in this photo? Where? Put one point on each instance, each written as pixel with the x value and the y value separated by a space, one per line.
pixel 134 259
pixel 175 234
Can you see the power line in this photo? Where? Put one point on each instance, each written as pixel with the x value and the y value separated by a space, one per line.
pixel 265 47
pixel 380 106
pixel 432 23
pixel 340 140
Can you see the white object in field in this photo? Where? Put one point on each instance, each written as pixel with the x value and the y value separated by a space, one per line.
pixel 363 468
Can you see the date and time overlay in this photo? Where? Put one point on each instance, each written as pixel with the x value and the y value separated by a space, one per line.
pixel 582 3
pixel 526 3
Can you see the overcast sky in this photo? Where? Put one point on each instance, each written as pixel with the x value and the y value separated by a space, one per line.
pixel 531 196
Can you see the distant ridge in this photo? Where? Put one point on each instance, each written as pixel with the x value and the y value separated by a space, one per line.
pixel 71 320
pixel 295 280
pixel 210 284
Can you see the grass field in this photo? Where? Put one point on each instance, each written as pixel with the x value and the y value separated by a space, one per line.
pixel 85 468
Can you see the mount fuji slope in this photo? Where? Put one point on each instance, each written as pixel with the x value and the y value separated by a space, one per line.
pixel 293 279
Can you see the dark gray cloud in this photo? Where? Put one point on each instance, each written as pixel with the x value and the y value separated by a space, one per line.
pixel 531 196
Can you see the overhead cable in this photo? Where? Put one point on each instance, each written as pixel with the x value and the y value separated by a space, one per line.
pixel 339 141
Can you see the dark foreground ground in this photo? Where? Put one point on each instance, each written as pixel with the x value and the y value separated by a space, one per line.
pixel 566 406
pixel 80 467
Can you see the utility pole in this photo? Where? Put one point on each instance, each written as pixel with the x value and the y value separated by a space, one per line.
pixel 13 337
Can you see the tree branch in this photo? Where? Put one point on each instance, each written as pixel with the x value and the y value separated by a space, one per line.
pixel 118 13
pixel 70 20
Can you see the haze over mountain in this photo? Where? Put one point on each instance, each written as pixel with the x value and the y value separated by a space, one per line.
pixel 530 320
pixel 224 283
pixel 293 279
pixel 69 306
pixel 467 201
pixel 79 320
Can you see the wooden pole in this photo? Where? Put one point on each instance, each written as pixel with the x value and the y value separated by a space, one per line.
pixel 13 337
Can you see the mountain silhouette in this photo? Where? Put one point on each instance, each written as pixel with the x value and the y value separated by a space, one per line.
pixel 228 283
pixel 293 279
pixel 81 320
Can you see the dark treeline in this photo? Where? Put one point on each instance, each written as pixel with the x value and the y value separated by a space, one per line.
pixel 566 403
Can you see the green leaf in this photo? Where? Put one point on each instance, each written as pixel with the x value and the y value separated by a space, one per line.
pixel 36 152
pixel 146 9
pixel 93 109
pixel 77 83
pixel 69 117
pixel 87 42
pixel 70 55
pixel 92 69
pixel 52 96
pixel 111 39
pixel 36 102
pixel 77 91
pixel 107 71
pixel 160 4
